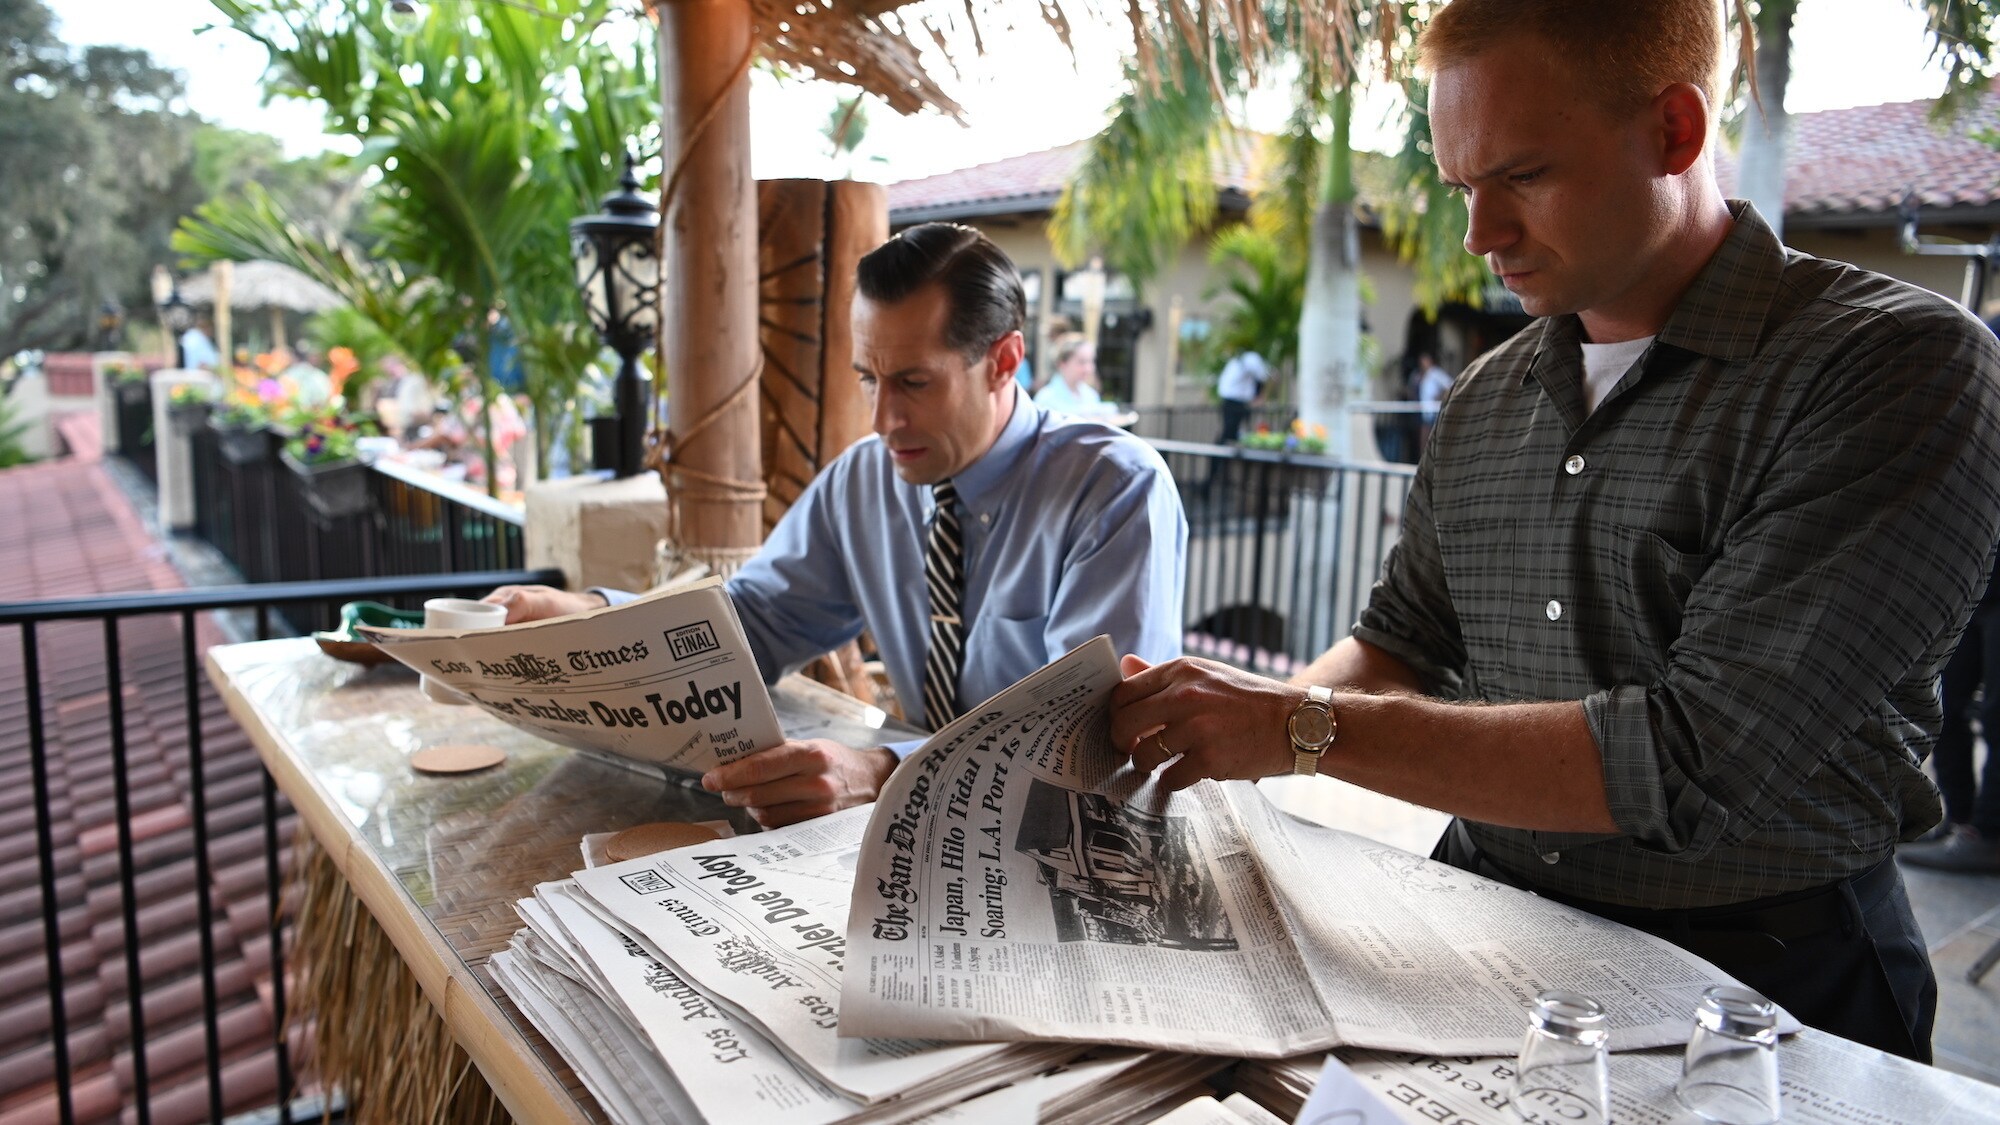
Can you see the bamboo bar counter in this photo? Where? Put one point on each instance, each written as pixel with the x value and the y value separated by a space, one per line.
pixel 439 860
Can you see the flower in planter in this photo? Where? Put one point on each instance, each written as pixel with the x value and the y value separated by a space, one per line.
pixel 242 410
pixel 121 371
pixel 189 395
pixel 1299 437
pixel 325 439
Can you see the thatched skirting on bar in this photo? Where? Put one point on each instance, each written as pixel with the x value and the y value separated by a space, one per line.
pixel 377 1039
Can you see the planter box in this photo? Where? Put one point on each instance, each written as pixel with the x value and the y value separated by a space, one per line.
pixel 334 489
pixel 188 419
pixel 134 391
pixel 240 446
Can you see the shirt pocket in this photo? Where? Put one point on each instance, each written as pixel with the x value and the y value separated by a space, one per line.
pixel 1003 642
pixel 1651 582
pixel 1482 577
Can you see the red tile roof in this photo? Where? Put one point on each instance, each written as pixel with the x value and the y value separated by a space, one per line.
pixel 71 532
pixel 1031 182
pixel 1842 160
pixel 1864 159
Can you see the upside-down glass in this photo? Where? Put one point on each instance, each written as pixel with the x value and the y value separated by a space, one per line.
pixel 1563 1075
pixel 1730 1072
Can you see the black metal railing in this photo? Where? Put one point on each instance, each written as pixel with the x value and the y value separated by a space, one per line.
pixel 1202 422
pixel 1282 549
pixel 273 525
pixel 133 412
pixel 134 640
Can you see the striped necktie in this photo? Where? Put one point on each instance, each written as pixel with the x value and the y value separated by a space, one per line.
pixel 944 573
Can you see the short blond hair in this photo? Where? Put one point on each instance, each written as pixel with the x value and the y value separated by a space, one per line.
pixel 1067 345
pixel 1629 50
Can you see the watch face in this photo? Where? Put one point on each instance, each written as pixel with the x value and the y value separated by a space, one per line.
pixel 1312 728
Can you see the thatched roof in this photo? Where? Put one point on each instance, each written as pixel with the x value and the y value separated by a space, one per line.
pixel 259 285
pixel 869 43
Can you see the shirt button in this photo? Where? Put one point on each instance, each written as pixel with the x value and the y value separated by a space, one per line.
pixel 1551 857
pixel 1574 465
pixel 986 517
pixel 1554 609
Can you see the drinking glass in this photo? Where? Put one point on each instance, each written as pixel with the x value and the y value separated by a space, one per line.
pixel 1730 1072
pixel 1563 1077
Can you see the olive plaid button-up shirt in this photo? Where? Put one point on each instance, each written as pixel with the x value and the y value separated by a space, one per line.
pixel 1749 564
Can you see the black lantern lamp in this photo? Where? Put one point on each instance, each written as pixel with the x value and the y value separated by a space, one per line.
pixel 178 316
pixel 618 271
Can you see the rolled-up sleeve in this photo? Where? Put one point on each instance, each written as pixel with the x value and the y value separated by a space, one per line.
pixel 1851 567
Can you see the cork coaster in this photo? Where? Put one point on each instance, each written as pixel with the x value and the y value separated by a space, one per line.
pixel 461 758
pixel 656 837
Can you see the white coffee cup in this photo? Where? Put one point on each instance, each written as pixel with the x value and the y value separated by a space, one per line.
pixel 460 614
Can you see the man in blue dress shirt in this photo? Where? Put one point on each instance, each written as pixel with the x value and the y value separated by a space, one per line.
pixel 1070 528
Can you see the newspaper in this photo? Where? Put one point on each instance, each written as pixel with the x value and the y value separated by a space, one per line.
pixel 667 679
pixel 758 925
pixel 1019 880
pixel 1822 1079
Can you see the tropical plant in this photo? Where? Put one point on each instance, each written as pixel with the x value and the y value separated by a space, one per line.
pixel 1268 284
pixel 356 348
pixel 490 127
pixel 1146 185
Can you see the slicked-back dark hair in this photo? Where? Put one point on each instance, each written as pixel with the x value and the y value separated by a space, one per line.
pixel 982 287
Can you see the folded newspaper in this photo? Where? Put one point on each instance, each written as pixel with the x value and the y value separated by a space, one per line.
pixel 666 679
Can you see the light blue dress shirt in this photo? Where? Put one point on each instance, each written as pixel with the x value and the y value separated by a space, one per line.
pixel 1072 528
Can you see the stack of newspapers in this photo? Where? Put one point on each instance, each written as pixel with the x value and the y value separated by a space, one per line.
pixel 1024 927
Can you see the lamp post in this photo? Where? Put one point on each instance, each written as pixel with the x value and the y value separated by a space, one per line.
pixel 618 272
pixel 178 316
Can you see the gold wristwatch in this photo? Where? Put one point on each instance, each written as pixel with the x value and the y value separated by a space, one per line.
pixel 1312 727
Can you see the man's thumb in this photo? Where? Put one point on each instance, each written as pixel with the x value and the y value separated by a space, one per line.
pixel 1129 665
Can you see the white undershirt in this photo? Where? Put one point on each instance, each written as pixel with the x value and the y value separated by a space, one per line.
pixel 1605 364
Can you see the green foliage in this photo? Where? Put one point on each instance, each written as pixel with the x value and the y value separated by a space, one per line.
pixel 1426 223
pixel 94 170
pixel 328 438
pixel 1963 35
pixel 490 128
pixel 98 162
pixel 1268 281
pixel 1299 437
pixel 1147 183
pixel 345 326
pixel 12 430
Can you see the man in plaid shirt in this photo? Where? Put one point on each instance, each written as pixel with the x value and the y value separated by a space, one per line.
pixel 1684 558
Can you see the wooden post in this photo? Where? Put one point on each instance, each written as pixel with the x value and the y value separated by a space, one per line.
pixel 810 234
pixel 708 323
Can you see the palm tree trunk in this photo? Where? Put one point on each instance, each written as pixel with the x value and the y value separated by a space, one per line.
pixel 1767 128
pixel 1330 377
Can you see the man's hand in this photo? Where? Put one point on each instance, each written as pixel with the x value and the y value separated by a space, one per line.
pixel 533 603
pixel 1222 722
pixel 797 781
